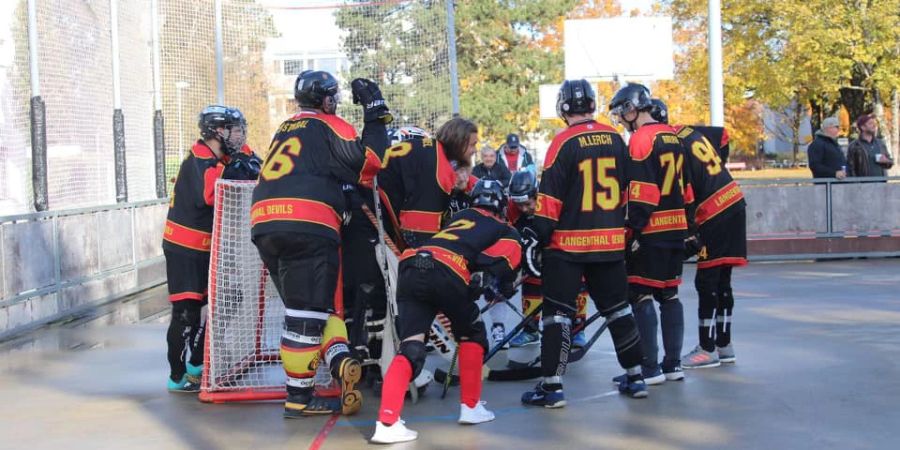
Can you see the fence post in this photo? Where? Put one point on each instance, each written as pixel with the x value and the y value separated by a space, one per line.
pixel 159 144
pixel 220 67
pixel 451 47
pixel 38 118
pixel 118 116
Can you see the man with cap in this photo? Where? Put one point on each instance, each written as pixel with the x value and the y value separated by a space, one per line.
pixel 868 155
pixel 826 160
pixel 515 156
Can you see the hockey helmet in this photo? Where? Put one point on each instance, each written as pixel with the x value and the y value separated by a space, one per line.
pixel 575 97
pixel 398 135
pixel 214 117
pixel 489 194
pixel 313 87
pixel 522 187
pixel 632 97
pixel 659 112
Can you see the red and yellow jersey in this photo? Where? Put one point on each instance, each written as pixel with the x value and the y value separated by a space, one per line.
pixel 190 217
pixel 580 212
pixel 415 184
pixel 715 193
pixel 474 240
pixel 657 191
pixel 299 188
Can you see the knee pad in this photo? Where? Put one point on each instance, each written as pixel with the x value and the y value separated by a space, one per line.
pixel 666 295
pixel 187 312
pixel 414 352
pixel 636 298
pixel 301 343
pixel 334 339
pixel 478 334
pixel 618 314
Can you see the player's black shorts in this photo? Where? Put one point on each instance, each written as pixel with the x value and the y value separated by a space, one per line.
pixel 724 241
pixel 422 292
pixel 188 275
pixel 606 284
pixel 304 268
pixel 655 267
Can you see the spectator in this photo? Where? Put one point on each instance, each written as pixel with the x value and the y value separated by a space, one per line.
pixel 826 160
pixel 868 156
pixel 488 169
pixel 516 157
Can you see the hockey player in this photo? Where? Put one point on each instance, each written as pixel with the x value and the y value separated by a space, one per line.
pixel 718 225
pixel 657 226
pixel 220 152
pixel 418 178
pixel 520 212
pixel 580 221
pixel 435 277
pixel 297 213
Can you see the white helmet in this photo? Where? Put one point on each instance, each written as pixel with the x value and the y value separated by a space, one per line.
pixel 401 134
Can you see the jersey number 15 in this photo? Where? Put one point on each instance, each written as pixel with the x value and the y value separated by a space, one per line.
pixel 600 187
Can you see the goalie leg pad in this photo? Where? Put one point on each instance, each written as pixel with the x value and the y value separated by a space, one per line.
pixel 301 343
pixel 334 343
pixel 671 319
pixel 182 332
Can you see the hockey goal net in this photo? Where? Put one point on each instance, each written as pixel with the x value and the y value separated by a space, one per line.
pixel 245 314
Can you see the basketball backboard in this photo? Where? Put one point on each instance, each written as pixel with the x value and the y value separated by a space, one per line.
pixel 627 48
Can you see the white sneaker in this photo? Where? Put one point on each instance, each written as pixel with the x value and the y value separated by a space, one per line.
pixel 478 414
pixel 392 434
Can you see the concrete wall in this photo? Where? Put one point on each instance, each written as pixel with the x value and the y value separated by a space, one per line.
pixel 54 264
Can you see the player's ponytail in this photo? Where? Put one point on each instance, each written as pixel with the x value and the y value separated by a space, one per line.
pixel 454 137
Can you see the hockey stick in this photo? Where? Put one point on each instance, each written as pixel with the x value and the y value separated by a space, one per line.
pixel 384 263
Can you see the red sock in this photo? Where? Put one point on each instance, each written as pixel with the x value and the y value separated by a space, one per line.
pixel 393 391
pixel 471 356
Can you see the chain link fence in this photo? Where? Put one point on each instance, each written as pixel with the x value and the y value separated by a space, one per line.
pixel 154 64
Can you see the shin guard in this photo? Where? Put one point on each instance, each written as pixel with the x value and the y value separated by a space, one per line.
pixel 671 320
pixel 647 323
pixel 471 355
pixel 724 318
pixel 706 311
pixel 625 336
pixel 396 382
pixel 555 345
pixel 301 344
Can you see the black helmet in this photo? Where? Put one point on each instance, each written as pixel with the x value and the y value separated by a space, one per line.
pixel 522 186
pixel 214 117
pixel 631 97
pixel 659 112
pixel 489 194
pixel 313 87
pixel 575 97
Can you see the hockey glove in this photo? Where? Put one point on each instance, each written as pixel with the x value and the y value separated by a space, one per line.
pixel 368 94
pixel 692 246
pixel 242 167
pixel 531 250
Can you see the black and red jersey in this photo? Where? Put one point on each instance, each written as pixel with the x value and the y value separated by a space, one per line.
pixel 190 217
pixel 715 193
pixel 474 240
pixel 300 184
pixel 580 212
pixel 656 190
pixel 415 182
pixel 718 137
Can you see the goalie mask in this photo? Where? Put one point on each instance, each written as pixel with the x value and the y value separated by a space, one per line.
pixel 317 90
pixel 230 121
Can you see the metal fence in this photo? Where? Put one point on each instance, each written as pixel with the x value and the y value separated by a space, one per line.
pixel 99 98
